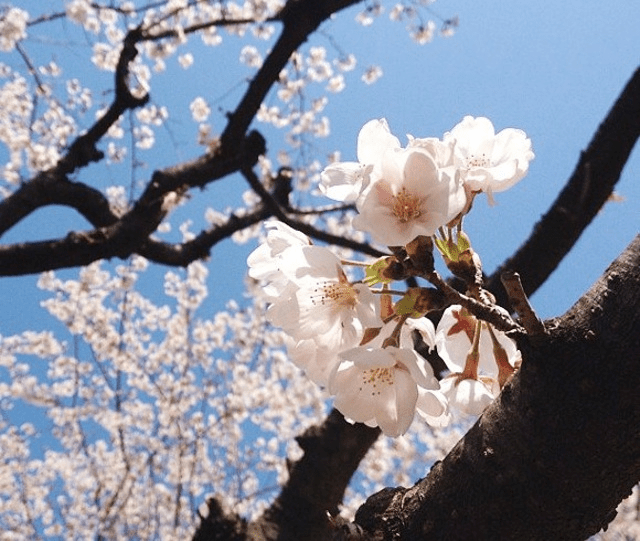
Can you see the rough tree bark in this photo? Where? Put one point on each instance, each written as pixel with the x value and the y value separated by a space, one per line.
pixel 559 449
pixel 315 487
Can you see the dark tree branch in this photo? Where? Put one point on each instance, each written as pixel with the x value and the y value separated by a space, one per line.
pixel 130 233
pixel 300 18
pixel 220 526
pixel 483 311
pixel 589 187
pixel 316 485
pixel 200 247
pixel 520 303
pixel 277 210
pixel 553 456
pixel 486 481
pixel 47 189
pixel 53 186
pixel 83 150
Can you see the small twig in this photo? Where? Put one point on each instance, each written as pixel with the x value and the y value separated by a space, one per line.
pixel 30 67
pixel 518 298
pixel 321 210
pixel 272 205
pixel 490 313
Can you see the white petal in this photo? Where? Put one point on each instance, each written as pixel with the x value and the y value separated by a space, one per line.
pixel 368 307
pixel 369 358
pixel 310 263
pixel 368 390
pixel 318 362
pixel 406 397
pixel 284 311
pixel 420 371
pixel 344 181
pixel 468 395
pixel 432 406
pixel 373 140
pixel 282 236
pixel 426 329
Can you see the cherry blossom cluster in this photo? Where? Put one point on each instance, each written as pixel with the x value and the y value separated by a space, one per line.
pixel 13 23
pixel 417 17
pixel 143 407
pixel 348 334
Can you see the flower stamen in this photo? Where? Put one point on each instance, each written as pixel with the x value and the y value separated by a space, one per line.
pixel 406 206
pixel 341 293
pixel 478 161
pixel 377 376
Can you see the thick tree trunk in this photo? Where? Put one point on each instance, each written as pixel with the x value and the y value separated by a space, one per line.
pixel 559 449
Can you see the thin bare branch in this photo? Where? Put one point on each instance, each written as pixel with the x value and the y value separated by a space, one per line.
pixel 300 18
pixel 277 211
pixel 518 299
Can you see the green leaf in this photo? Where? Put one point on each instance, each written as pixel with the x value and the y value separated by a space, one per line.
pixel 407 304
pixel 374 273
pixel 451 250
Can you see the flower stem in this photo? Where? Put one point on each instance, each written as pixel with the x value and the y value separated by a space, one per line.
pixel 473 357
pixel 505 370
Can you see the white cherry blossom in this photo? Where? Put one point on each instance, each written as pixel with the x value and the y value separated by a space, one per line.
pixel 264 262
pixel 412 197
pixel 489 162
pixel 480 363
pixel 320 303
pixel 346 181
pixel 317 361
pixel 469 396
pixel 424 326
pixel 433 407
pixel 200 110
pixel 13 24
pixel 371 74
pixel 379 387
pixel 441 151
pixel 454 337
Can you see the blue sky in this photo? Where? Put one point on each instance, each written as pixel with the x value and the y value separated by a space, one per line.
pixel 553 72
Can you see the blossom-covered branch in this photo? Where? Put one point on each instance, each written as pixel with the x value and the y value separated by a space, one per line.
pixel 120 236
pixel 354 340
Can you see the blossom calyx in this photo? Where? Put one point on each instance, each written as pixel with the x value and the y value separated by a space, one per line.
pixel 376 272
pixel 461 259
pixel 388 269
pixel 418 301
